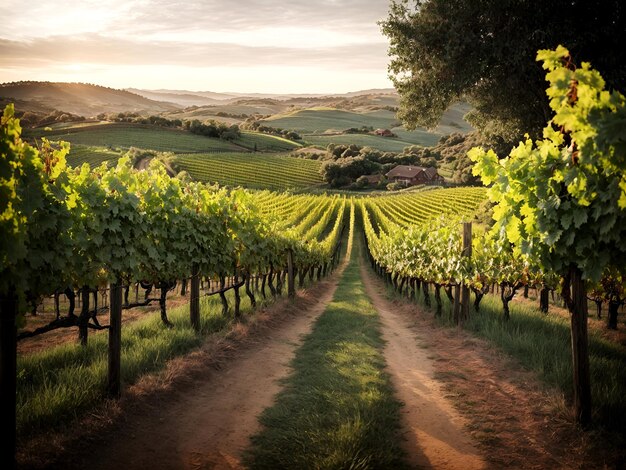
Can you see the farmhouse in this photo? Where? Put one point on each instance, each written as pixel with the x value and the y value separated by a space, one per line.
pixel 412 175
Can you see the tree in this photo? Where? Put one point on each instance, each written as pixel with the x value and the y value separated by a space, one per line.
pixel 442 50
pixel 562 200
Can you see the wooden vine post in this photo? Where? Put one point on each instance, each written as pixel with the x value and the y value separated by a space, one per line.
pixel 115 340
pixel 291 287
pixel 467 252
pixel 8 380
pixel 194 301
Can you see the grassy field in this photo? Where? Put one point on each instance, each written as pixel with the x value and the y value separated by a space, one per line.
pixel 253 170
pixel 265 142
pixel 337 409
pixel 128 135
pixel 318 120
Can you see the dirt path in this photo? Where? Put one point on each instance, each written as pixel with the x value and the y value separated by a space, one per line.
pixel 208 425
pixel 434 431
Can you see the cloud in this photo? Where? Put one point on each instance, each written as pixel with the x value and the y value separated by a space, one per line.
pixel 94 48
pixel 324 35
pixel 48 17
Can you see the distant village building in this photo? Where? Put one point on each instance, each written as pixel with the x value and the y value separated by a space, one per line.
pixel 413 175
pixel 384 133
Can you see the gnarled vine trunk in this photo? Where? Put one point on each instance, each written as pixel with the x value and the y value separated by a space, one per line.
pixel 438 299
pixel 612 317
pixel 165 287
pixel 223 296
pixel 544 299
pixel 83 318
pixel 249 292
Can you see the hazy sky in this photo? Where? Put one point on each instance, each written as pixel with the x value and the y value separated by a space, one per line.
pixel 218 45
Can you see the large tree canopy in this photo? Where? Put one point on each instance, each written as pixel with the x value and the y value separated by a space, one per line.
pixel 484 51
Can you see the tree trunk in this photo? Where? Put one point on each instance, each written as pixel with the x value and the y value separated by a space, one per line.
pixel 183 287
pixel 478 296
pixel 577 305
pixel 263 286
pixel 83 319
pixel 465 302
pixel 457 304
pixel 612 317
pixel 505 307
pixel 71 297
pixel 449 295
pixel 426 294
pixel 194 301
pixel 438 299
pixel 291 287
pixel 57 307
pixel 237 298
pixel 249 292
pixel 279 283
pixel 164 286
pixel 467 253
pixel 302 276
pixel 8 380
pixel 223 296
pixel 598 308
pixel 114 387
pixel 410 289
pixel 270 282
pixel 544 299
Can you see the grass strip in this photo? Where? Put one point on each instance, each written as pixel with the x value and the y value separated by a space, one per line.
pixel 337 409
pixel 60 384
pixel 542 343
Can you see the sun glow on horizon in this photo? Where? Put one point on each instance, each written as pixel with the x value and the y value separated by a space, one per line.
pixel 330 47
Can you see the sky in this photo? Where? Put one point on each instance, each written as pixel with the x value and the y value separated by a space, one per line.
pixel 262 46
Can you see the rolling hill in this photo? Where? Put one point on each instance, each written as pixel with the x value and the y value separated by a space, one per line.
pixel 78 98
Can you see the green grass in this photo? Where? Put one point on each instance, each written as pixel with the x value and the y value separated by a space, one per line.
pixel 384 144
pixel 265 142
pixel 252 170
pixel 318 120
pixel 62 383
pixel 146 137
pixel 542 343
pixel 337 409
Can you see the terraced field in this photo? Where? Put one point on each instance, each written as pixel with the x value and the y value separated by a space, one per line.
pixel 252 170
pixel 80 154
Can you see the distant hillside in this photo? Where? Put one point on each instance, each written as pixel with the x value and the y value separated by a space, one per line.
pixel 207 98
pixel 183 99
pixel 78 98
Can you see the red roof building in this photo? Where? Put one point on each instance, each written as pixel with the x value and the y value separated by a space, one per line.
pixel 414 175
